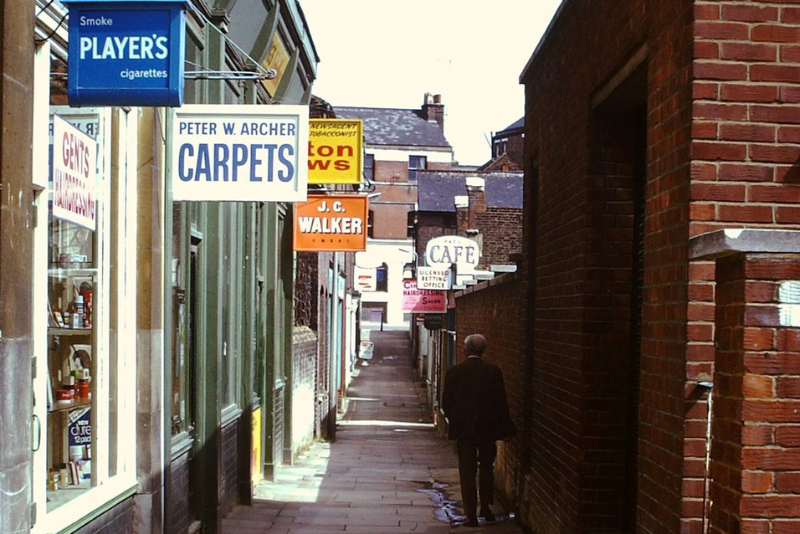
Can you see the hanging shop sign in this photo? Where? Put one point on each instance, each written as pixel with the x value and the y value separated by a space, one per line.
pixel 239 153
pixel 434 278
pixel 452 249
pixel 434 321
pixel 74 179
pixel 331 223
pixel 126 53
pixel 417 300
pixel 335 151
pixel 277 59
pixel 366 279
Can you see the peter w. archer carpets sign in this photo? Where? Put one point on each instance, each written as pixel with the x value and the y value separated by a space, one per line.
pixel 331 223
pixel 240 153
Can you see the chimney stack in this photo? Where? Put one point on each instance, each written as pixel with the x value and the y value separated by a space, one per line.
pixel 433 109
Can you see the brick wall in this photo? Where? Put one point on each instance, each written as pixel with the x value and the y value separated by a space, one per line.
pixel 304 369
pixel 493 309
pixel 117 519
pixel 746 91
pixel 722 88
pixel 305 290
pixel 179 513
pixel 577 261
pixel 391 171
pixel 501 229
pixel 229 465
pixel 755 449
pixel 391 220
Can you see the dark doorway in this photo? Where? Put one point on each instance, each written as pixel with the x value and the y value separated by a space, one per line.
pixel 617 179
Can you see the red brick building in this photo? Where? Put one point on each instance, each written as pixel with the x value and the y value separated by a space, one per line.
pixel 486 207
pixel 508 144
pixel 649 123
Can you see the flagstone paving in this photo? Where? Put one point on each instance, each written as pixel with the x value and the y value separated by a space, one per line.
pixel 387 472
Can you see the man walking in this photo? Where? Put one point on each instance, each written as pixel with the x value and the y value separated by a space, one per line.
pixel 475 405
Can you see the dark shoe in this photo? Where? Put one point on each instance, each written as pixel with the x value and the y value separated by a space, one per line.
pixel 487 515
pixel 471 522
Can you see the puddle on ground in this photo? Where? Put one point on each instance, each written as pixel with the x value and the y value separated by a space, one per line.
pixel 445 510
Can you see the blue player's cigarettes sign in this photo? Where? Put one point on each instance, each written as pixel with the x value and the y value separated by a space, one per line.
pixel 126 53
pixel 239 153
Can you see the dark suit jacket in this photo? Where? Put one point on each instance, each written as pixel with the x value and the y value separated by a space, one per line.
pixel 474 401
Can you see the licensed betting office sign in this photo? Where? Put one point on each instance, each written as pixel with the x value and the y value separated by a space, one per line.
pixel 126 53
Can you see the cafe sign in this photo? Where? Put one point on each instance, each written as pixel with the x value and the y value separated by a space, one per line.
pixel 126 53
pixel 452 249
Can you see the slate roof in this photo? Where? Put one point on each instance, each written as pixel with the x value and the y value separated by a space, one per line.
pixel 517 125
pixel 395 127
pixel 437 189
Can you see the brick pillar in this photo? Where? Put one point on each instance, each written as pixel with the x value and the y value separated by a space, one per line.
pixel 477 200
pixel 755 447
pixel 462 214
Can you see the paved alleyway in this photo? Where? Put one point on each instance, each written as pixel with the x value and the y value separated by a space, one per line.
pixel 387 472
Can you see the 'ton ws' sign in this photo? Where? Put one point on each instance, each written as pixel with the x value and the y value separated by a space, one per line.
pixel 239 153
pixel 126 53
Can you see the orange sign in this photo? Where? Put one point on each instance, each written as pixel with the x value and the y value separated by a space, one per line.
pixel 331 223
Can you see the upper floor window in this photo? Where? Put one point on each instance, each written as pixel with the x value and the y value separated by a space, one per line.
pixel 415 163
pixel 369 167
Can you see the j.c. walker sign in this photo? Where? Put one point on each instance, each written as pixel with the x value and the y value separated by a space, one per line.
pixel 331 223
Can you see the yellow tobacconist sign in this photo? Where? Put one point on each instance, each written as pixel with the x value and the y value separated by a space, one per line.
pixel 335 151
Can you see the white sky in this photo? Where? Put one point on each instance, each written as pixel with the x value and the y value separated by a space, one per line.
pixel 389 53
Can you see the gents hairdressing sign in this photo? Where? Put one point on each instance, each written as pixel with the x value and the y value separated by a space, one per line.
pixel 74 175
pixel 239 153
pixel 126 53
pixel 331 223
pixel 335 151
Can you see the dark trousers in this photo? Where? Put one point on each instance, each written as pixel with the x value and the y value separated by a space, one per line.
pixel 476 456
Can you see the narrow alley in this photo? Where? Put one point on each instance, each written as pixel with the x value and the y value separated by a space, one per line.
pixel 388 470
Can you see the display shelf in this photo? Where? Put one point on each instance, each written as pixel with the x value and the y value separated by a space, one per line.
pixel 62 406
pixel 55 331
pixel 65 270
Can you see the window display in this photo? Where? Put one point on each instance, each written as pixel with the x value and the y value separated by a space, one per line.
pixel 84 350
pixel 72 292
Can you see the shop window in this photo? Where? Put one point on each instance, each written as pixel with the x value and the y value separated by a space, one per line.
pixel 82 392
